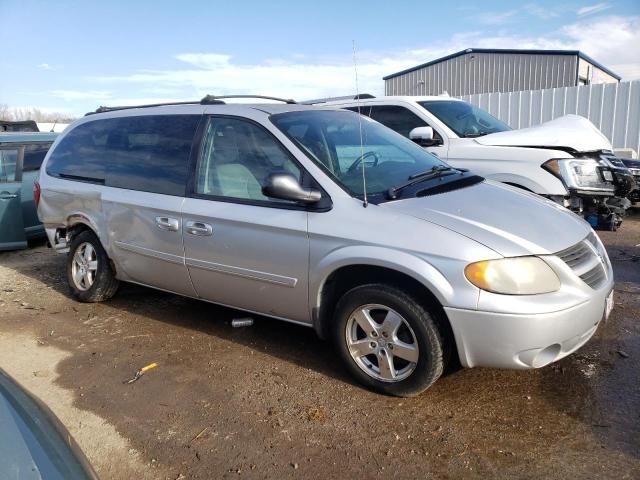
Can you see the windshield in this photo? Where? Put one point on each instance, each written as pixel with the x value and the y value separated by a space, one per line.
pixel 464 119
pixel 332 140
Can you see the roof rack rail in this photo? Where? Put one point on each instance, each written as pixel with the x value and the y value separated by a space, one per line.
pixel 362 96
pixel 211 99
pixel 103 109
pixel 207 100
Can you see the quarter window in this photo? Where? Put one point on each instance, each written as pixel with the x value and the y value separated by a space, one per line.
pixel 236 159
pixel 146 153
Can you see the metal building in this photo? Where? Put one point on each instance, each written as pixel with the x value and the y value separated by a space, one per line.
pixel 481 70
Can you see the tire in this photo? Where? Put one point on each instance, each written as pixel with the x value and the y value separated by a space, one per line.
pixel 89 273
pixel 414 370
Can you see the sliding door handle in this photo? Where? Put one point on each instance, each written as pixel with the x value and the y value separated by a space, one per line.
pixel 200 229
pixel 168 224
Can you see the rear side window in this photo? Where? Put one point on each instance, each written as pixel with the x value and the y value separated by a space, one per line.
pixel 33 156
pixel 397 118
pixel 146 153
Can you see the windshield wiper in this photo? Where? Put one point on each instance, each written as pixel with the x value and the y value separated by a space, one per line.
pixel 475 135
pixel 434 172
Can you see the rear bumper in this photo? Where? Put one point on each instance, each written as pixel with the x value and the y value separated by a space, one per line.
pixel 499 340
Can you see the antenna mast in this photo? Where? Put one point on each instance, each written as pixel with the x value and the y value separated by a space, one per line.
pixel 364 178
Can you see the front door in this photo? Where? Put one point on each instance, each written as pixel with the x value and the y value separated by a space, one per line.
pixel 243 249
pixel 11 223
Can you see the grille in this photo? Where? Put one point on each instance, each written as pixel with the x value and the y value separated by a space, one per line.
pixel 613 160
pixel 585 262
pixel 594 277
pixel 576 256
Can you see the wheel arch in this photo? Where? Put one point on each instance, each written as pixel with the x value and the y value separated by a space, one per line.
pixel 353 266
pixel 346 277
pixel 76 223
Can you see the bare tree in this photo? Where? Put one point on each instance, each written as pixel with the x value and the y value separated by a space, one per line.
pixel 16 114
pixel 4 111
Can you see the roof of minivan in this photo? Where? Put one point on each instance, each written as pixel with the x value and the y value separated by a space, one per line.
pixel 268 108
pixel 27 137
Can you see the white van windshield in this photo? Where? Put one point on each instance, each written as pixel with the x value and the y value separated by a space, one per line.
pixel 466 120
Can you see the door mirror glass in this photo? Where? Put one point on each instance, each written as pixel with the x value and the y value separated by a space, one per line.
pixel 285 186
pixel 424 136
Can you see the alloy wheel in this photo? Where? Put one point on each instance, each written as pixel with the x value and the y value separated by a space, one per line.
pixel 84 266
pixel 382 343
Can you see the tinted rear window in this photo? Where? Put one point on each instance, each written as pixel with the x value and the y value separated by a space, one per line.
pixel 147 153
pixel 34 155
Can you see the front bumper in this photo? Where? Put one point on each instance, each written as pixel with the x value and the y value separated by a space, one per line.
pixel 531 340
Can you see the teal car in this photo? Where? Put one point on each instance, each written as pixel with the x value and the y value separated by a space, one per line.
pixel 21 154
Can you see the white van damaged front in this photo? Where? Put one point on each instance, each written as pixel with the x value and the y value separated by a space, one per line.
pixel 574 151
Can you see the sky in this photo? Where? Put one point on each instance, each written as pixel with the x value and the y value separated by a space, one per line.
pixel 72 56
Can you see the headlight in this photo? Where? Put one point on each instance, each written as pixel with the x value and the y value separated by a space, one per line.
pixel 581 173
pixel 513 276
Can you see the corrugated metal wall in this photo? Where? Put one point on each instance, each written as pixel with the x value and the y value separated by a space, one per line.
pixel 613 107
pixel 474 73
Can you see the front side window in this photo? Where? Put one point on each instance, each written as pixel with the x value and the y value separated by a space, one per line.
pixel 8 164
pixel 332 139
pixel 236 159
pixel 399 119
pixel 466 120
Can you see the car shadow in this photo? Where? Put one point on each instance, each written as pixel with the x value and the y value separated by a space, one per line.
pixel 287 341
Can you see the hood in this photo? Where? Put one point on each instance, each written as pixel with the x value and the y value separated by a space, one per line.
pixel 506 219
pixel 570 131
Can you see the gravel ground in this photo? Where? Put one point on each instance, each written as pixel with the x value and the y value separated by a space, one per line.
pixel 271 400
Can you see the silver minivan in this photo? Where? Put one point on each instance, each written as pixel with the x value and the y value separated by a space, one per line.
pixel 324 218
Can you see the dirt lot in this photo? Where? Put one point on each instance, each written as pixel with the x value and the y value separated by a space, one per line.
pixel 271 400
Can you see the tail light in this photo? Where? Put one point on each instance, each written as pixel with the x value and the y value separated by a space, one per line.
pixel 36 192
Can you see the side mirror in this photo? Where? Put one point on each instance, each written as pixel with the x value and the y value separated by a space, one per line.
pixel 423 136
pixel 285 186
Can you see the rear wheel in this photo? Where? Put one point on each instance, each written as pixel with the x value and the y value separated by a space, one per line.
pixel 388 340
pixel 89 271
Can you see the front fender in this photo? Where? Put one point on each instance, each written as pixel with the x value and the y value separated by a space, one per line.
pixel 403 262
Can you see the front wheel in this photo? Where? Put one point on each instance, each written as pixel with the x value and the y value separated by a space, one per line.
pixel 388 341
pixel 89 272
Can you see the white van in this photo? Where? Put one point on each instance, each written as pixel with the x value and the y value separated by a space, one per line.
pixel 567 160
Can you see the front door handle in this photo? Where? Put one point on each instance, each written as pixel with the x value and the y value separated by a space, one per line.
pixel 7 196
pixel 200 229
pixel 168 224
